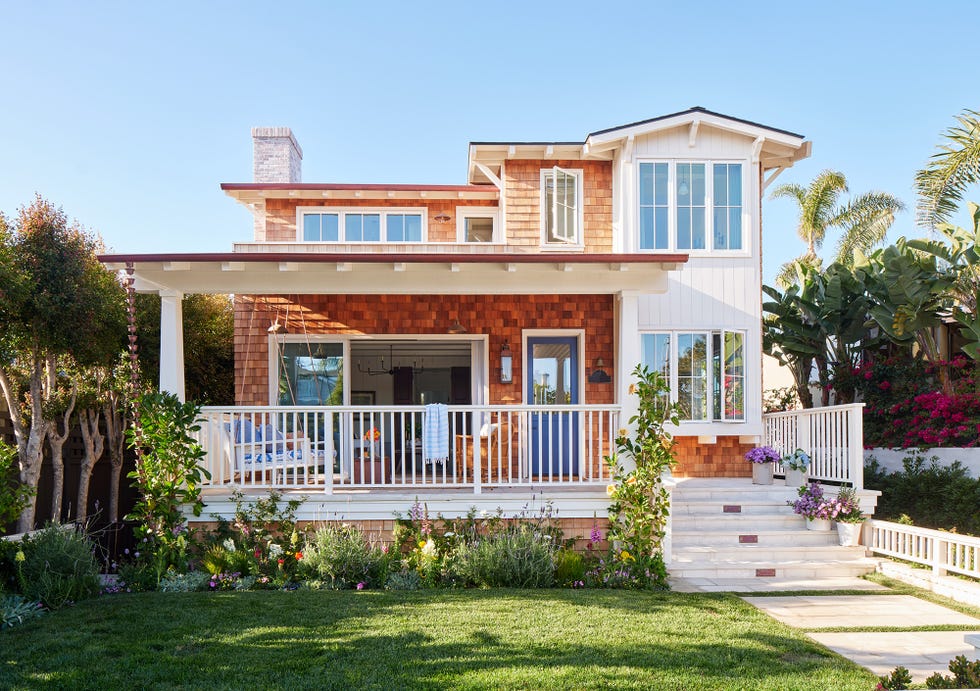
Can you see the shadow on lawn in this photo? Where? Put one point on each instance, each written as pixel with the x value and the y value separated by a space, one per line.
pixel 410 640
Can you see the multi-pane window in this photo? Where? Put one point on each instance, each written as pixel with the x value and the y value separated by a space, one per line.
pixel 654 206
pixel 727 204
pixel 561 206
pixel 343 225
pixel 706 371
pixel 690 206
pixel 475 223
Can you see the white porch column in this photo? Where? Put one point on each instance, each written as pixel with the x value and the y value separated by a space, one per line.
pixel 172 342
pixel 629 353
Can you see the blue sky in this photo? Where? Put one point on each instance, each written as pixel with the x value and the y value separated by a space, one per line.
pixel 129 115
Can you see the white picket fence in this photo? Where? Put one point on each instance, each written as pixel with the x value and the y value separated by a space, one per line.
pixel 833 436
pixel 944 552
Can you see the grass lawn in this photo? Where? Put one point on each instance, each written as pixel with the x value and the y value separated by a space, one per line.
pixel 437 639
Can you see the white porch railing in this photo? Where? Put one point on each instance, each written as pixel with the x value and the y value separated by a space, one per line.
pixel 332 448
pixel 944 552
pixel 833 437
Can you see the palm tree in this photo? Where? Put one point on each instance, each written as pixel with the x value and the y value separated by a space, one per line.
pixel 950 171
pixel 864 219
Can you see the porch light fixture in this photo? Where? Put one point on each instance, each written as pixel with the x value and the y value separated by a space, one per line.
pixel 442 217
pixel 506 364
pixel 457 328
pixel 599 374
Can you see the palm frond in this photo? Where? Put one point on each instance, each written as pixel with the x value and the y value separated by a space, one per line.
pixel 818 206
pixel 792 272
pixel 950 171
pixel 865 221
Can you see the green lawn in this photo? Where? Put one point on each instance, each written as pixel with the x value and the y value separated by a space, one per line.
pixel 436 639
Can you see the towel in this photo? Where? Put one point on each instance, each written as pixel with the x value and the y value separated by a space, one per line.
pixel 435 433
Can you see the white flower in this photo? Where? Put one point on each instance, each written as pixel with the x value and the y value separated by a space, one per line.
pixel 450 534
pixel 429 549
pixel 229 545
pixel 274 549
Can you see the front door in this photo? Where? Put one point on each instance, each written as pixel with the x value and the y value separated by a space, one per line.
pixel 552 382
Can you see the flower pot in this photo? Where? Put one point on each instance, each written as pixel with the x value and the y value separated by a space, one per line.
pixel 819 524
pixel 762 473
pixel 849 534
pixel 795 478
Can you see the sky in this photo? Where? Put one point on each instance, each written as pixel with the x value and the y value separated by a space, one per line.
pixel 130 115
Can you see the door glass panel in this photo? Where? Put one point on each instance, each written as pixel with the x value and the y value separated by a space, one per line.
pixel 552 369
pixel 311 374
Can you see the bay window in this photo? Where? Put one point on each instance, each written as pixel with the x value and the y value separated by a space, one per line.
pixel 706 371
pixel 690 206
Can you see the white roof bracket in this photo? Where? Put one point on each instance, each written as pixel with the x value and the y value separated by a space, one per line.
pixel 757 148
pixel 692 135
pixel 772 176
pixel 490 176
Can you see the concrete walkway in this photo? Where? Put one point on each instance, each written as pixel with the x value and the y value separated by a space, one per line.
pixel 922 652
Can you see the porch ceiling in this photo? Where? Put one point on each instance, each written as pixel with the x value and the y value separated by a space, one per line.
pixel 406 274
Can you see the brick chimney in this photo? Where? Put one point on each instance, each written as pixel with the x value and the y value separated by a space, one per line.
pixel 276 156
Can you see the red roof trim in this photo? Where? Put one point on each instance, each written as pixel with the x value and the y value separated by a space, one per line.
pixel 412 258
pixel 314 186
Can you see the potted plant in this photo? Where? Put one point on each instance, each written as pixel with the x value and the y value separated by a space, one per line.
pixel 814 506
pixel 846 512
pixel 762 459
pixel 795 466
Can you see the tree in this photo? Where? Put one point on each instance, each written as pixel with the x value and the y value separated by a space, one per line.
pixel 950 171
pixel 57 302
pixel 789 336
pixel 864 220
pixel 209 356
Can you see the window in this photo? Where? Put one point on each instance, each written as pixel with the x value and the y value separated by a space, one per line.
pixel 654 192
pixel 476 224
pixel 727 206
pixel 690 206
pixel 361 225
pixel 561 206
pixel 706 370
pixel 311 374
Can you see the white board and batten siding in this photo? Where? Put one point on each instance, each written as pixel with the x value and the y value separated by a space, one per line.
pixel 714 290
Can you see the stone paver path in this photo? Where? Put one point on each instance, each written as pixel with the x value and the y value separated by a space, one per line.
pixel 771 585
pixel 809 612
pixel 922 652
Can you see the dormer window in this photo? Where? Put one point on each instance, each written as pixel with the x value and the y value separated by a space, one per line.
pixel 561 206
pixel 319 224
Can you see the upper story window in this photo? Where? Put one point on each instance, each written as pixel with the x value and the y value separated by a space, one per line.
pixel 476 224
pixel 561 206
pixel 690 206
pixel 320 224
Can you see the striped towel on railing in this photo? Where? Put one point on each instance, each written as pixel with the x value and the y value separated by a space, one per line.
pixel 435 433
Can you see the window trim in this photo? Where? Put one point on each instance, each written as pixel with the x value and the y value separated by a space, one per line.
pixel 579 174
pixel 709 249
pixel 674 377
pixel 464 212
pixel 382 211
pixel 277 341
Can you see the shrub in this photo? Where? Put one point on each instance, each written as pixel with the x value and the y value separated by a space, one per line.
pixel 966 675
pixel 342 557
pixel 404 580
pixel 514 558
pixel 58 566
pixel 899 679
pixel 14 610
pixel 14 495
pixel 185 582
pixel 138 576
pixel 569 567
pixel 932 496
pixel 8 567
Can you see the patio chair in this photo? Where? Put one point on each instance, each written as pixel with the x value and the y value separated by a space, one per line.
pixel 253 449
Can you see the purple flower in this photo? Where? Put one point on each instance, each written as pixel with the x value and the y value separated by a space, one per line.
pixel 596 534
pixel 763 454
pixel 360 586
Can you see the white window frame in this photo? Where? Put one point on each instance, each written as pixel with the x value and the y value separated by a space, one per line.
pixel 579 175
pixel 709 355
pixel 465 212
pixel 709 205
pixel 342 212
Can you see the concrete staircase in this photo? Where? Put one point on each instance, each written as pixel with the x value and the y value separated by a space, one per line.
pixel 730 532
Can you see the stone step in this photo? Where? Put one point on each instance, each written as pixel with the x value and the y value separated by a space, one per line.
pixel 742 553
pixel 739 523
pixel 800 568
pixel 786 538
pixel 733 496
pixel 755 506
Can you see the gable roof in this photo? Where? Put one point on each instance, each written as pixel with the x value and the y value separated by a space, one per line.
pixel 694 109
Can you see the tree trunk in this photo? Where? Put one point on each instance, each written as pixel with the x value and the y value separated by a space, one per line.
pixel 30 440
pixel 56 441
pixel 94 444
pixel 116 442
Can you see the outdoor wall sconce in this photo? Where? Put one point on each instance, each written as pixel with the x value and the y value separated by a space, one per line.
pixel 442 217
pixel 599 375
pixel 457 328
pixel 506 364
pixel 277 327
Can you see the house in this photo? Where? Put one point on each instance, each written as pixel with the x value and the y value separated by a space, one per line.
pixel 471 345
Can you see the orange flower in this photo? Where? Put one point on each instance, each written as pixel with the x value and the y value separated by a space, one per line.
pixel 631 480
pixel 610 490
pixel 299 555
pixel 632 389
